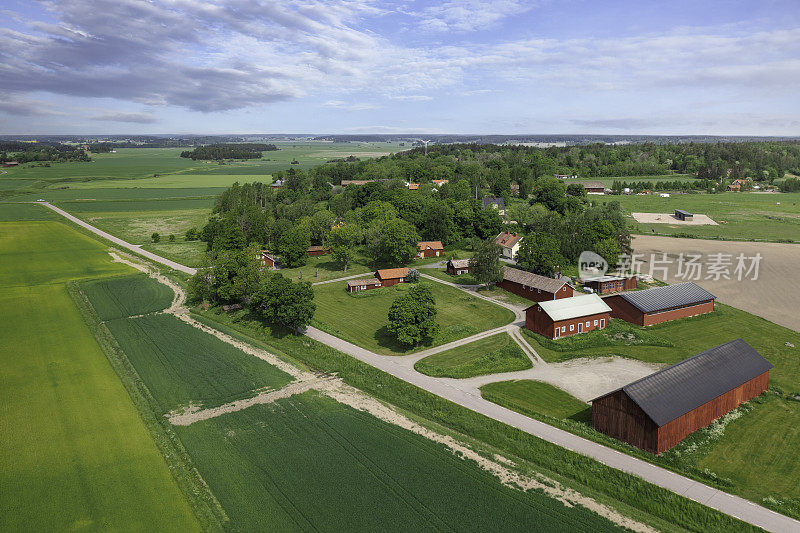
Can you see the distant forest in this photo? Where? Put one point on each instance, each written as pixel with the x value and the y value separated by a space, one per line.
pixel 24 152
pixel 228 151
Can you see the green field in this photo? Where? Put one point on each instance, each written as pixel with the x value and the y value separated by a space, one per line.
pixel 745 216
pixel 311 463
pixel 361 318
pixel 498 353
pixel 125 296
pixel 76 455
pixel 463 279
pixel 323 268
pixel 10 212
pixel 536 398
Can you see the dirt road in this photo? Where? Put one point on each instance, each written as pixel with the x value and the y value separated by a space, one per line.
pixel 774 295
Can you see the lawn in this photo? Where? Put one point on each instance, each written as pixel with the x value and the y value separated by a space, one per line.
pixel 745 216
pixel 76 455
pixel 536 398
pixel 323 268
pixel 361 318
pixel 310 463
pixel 463 279
pixel 498 353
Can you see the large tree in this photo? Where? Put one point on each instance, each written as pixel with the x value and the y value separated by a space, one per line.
pixel 343 241
pixel 293 247
pixel 540 253
pixel 485 264
pixel 281 301
pixel 412 317
pixel 398 242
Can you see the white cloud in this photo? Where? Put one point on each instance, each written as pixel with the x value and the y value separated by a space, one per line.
pixel 469 15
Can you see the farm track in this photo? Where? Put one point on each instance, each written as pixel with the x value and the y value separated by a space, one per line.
pixel 716 499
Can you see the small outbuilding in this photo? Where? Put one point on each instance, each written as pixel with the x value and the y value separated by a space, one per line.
pixel 456 267
pixel 661 304
pixel 10 163
pixel 535 287
pixel 429 249
pixel 391 276
pixel 686 216
pixel 658 411
pixel 413 186
pixel 315 251
pixel 356 285
pixel 495 203
pixel 609 284
pixel 593 187
pixel 569 316
pixel 269 260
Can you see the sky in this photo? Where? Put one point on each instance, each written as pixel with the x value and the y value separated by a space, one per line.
pixel 700 67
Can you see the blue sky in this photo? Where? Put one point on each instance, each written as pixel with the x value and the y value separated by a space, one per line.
pixel 361 66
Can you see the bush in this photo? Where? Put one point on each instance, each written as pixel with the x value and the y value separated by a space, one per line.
pixel 172 238
pixel 413 275
pixel 155 236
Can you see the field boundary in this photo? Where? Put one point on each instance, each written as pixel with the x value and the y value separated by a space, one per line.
pixel 204 504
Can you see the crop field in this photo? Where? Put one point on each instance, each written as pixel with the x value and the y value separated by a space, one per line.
pixel 10 212
pixel 498 353
pixel 184 366
pixel 137 206
pixel 120 297
pixel 534 397
pixel 744 216
pixel 75 455
pixel 361 318
pixel 89 196
pixel 308 462
pixel 172 181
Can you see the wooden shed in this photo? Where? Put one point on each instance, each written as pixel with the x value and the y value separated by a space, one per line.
pixel 609 284
pixel 568 316
pixel 269 260
pixel 658 411
pixel 356 285
pixel 661 304
pixel 456 267
pixel 686 216
pixel 535 287
pixel 429 249
pixel 315 251
pixel 391 276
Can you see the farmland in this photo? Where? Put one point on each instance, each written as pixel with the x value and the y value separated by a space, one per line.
pixel 498 353
pixel 361 317
pixel 743 216
pixel 75 452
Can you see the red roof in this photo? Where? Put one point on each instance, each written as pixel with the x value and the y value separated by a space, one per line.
pixel 392 273
pixel 430 245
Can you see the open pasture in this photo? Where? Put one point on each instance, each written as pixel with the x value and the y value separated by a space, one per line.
pixel 742 216
pixel 361 318
pixel 171 181
pixel 308 462
pixel 498 353
pixel 75 455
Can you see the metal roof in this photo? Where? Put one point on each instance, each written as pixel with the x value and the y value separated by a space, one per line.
pixel 577 306
pixel 682 212
pixel 667 297
pixel 604 278
pixel 685 386
pixel 536 281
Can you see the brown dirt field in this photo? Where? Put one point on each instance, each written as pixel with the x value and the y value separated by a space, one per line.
pixel 774 295
pixel 669 218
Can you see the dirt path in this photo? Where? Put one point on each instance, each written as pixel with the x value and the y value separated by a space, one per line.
pixel 500 467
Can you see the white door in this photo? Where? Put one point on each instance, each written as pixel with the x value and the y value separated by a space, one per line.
pixel 557 332
pixel 580 327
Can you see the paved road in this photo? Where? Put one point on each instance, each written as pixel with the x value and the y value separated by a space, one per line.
pixel 119 242
pixel 452 391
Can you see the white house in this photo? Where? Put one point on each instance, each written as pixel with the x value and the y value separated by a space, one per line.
pixel 509 243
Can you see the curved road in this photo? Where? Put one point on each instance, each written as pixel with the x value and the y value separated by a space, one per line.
pixel 450 390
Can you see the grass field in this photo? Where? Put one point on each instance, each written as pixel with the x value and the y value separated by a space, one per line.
pixel 463 279
pixel 323 267
pixel 534 397
pixel 498 353
pixel 310 463
pixel 120 297
pixel 361 318
pixel 10 212
pixel 76 455
pixel 746 216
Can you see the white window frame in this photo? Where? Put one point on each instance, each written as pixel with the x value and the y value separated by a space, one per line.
pixel 595 322
pixel 602 323
pixel 572 327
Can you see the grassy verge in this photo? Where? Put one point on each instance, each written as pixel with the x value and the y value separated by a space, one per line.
pixel 492 355
pixel 533 398
pixel 649 502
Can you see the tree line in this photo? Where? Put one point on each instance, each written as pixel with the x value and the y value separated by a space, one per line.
pixel 221 151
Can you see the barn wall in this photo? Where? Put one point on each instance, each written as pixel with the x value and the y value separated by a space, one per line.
pixel 618 416
pixel 534 294
pixel 541 323
pixel 681 312
pixel 671 433
pixel 315 253
pixel 391 281
pixel 453 271
pixel 620 308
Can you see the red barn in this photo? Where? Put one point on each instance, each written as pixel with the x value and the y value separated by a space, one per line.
pixel 568 316
pixel 356 285
pixel 535 287
pixel 429 249
pixel 315 251
pixel 456 267
pixel 391 276
pixel 658 411
pixel 661 304
pixel 269 260
pixel 608 284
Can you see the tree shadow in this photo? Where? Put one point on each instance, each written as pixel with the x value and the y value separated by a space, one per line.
pixel 584 416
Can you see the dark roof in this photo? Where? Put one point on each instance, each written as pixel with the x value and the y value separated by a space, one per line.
pixel 534 280
pixel 682 212
pixel 489 201
pixel 684 386
pixel 667 297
